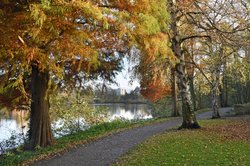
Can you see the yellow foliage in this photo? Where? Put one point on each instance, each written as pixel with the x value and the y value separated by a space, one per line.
pixel 59 33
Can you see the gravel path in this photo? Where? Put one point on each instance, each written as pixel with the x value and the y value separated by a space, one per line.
pixel 105 151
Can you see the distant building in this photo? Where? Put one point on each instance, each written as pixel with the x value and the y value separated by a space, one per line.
pixel 120 92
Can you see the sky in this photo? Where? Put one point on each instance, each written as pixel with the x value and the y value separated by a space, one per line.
pixel 123 79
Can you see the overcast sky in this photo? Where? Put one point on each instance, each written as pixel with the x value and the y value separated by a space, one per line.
pixel 123 79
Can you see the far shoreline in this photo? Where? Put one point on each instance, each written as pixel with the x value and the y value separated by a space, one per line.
pixel 118 102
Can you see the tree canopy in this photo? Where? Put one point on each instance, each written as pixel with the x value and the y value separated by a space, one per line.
pixel 47 44
pixel 57 43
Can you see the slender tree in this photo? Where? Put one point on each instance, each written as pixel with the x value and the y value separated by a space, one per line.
pixel 189 119
pixel 175 111
pixel 217 21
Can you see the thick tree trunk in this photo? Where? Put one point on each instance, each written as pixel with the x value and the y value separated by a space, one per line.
pixel 173 94
pixel 40 128
pixel 214 99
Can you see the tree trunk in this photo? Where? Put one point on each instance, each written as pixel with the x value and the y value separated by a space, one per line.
pixel 199 105
pixel 214 104
pixel 226 92
pixel 189 119
pixel 40 128
pixel 215 108
pixel 193 96
pixel 222 104
pixel 173 94
pixel 224 89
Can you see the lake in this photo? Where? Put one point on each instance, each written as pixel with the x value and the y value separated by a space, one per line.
pixel 17 121
pixel 127 111
pixel 13 121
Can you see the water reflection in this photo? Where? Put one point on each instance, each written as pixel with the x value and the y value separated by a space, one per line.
pixel 13 121
pixel 129 111
pixel 17 120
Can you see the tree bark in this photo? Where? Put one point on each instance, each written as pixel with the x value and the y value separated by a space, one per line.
pixel 214 104
pixel 189 119
pixel 193 96
pixel 214 99
pixel 221 92
pixel 40 128
pixel 224 89
pixel 173 94
pixel 199 100
pixel 226 92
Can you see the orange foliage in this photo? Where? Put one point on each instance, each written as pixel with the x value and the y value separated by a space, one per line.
pixel 13 99
pixel 155 90
pixel 202 65
pixel 68 37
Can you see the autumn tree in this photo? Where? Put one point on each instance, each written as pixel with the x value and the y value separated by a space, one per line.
pixel 151 44
pixel 237 79
pixel 212 63
pixel 176 10
pixel 209 20
pixel 47 43
pixel 205 20
pixel 224 25
pixel 54 42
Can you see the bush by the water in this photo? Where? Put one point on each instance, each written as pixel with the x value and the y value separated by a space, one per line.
pixel 72 113
pixel 242 109
pixel 163 107
pixel 15 140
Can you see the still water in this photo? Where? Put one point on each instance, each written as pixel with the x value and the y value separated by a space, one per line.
pixel 14 121
pixel 127 111
pixel 17 121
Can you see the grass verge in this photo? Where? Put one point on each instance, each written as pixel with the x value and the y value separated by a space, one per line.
pixel 219 142
pixel 68 142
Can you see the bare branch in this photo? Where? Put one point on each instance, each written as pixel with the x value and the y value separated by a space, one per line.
pixel 195 36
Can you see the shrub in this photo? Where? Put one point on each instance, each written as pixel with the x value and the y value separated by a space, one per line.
pixel 72 113
pixel 162 108
pixel 242 109
pixel 15 140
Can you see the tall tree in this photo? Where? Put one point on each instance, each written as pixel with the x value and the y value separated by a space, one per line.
pixel 225 25
pixel 45 41
pixel 189 119
pixel 61 42
pixel 214 20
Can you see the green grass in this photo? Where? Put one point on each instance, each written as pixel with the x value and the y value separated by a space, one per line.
pixel 71 141
pixel 191 147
